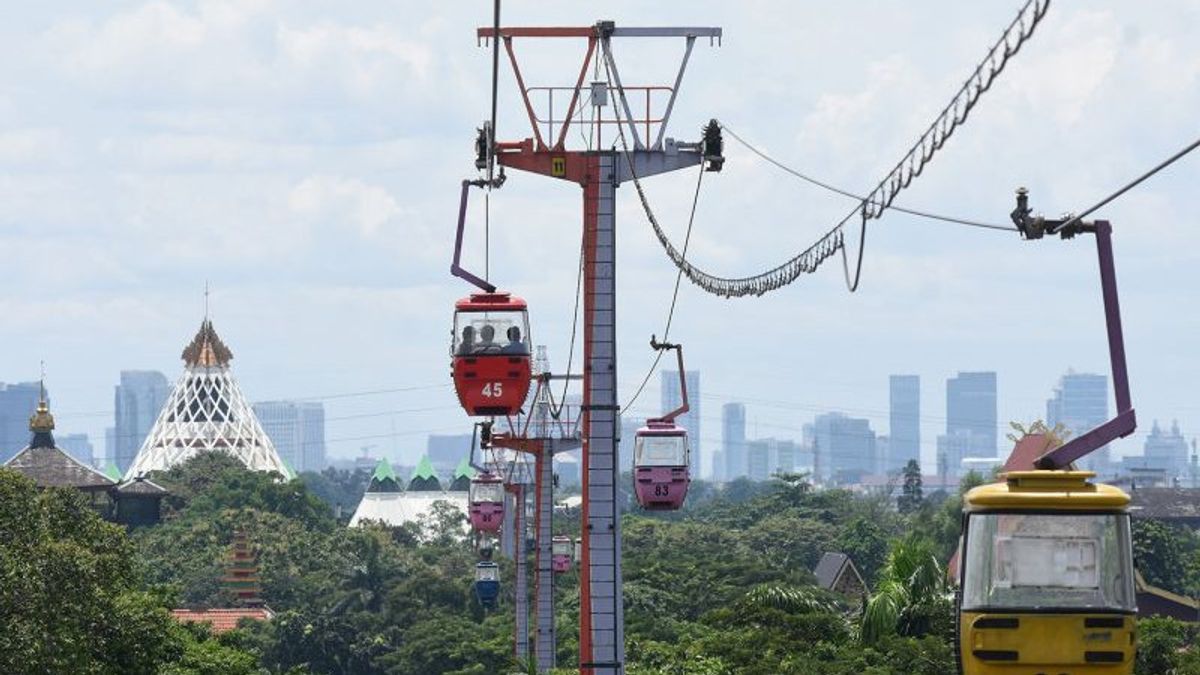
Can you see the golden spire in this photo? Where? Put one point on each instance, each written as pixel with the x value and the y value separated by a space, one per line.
pixel 42 421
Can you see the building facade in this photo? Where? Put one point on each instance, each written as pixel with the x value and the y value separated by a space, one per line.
pixel 904 422
pixel 137 400
pixel 1080 403
pixel 16 400
pixel 733 440
pixel 672 398
pixel 845 448
pixel 78 446
pixel 297 428
pixel 971 421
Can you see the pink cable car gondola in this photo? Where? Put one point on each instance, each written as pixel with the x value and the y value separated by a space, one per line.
pixel 562 549
pixel 661 453
pixel 486 499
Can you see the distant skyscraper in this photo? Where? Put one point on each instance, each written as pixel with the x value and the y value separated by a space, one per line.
pixel 137 402
pixel 1166 450
pixel 758 459
pixel 445 451
pixel 297 428
pixel 1080 403
pixel 77 446
pixel 904 431
pixel 672 399
pixel 17 403
pixel 733 439
pixel 971 412
pixel 845 448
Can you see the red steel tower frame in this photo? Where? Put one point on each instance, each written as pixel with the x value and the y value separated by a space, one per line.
pixel 599 172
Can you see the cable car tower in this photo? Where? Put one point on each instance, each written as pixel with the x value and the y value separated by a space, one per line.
pixel 545 431
pixel 599 172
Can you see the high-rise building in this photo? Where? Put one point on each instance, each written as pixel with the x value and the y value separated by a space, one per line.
pixel 845 448
pixel 297 428
pixel 971 412
pixel 137 401
pixel 77 446
pixel 1080 404
pixel 1166 450
pixel 758 459
pixel 904 430
pixel 445 451
pixel 16 402
pixel 733 440
pixel 672 398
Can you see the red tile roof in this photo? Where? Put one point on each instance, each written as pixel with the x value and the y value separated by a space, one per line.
pixel 222 620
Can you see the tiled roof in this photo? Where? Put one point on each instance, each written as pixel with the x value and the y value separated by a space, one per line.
pixel 141 486
pixel 222 620
pixel 51 467
pixel 1164 503
pixel 829 568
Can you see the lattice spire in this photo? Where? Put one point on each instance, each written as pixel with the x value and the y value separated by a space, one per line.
pixel 206 412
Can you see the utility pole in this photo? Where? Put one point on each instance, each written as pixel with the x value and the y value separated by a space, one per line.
pixel 599 172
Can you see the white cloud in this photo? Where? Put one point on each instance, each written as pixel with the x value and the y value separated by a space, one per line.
pixel 339 199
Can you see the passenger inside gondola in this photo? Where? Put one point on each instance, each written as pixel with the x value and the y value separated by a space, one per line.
pixel 485 343
pixel 515 345
pixel 468 340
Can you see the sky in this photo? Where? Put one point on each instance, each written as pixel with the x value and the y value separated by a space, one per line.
pixel 303 159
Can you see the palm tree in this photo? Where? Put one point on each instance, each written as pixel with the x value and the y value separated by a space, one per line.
pixel 910 591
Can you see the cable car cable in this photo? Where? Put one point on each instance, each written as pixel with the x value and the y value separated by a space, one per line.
pixel 675 294
pixel 859 198
pixel 1132 184
pixel 872 207
pixel 557 412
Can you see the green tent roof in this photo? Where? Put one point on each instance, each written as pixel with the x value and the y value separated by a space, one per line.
pixel 424 469
pixel 112 471
pixel 383 470
pixel 464 469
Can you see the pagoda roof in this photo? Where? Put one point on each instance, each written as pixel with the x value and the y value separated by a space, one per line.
pixel 384 479
pixel 52 467
pixel 464 469
pixel 141 486
pixel 206 349
pixel 424 478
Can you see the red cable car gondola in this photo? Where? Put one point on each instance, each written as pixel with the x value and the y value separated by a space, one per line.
pixel 661 454
pixel 490 353
pixel 486 499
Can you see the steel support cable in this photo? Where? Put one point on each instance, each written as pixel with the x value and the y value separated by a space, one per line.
pixel 557 412
pixel 859 198
pixel 687 238
pixel 1132 184
pixel 1019 31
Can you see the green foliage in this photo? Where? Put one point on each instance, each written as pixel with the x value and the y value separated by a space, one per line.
pixel 1165 555
pixel 911 496
pixel 1167 647
pixel 910 598
pixel 70 600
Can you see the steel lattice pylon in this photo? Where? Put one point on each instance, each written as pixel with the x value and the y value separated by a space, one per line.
pixel 206 412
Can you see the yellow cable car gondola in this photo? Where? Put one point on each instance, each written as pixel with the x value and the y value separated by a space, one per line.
pixel 1046 577
pixel 1046 560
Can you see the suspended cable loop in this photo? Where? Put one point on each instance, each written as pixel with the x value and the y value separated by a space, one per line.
pixel 873 205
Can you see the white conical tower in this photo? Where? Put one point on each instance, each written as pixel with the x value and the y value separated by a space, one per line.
pixel 206 412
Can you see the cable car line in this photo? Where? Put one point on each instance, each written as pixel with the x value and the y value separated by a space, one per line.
pixel 674 294
pixel 872 207
pixel 859 198
pixel 1132 184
